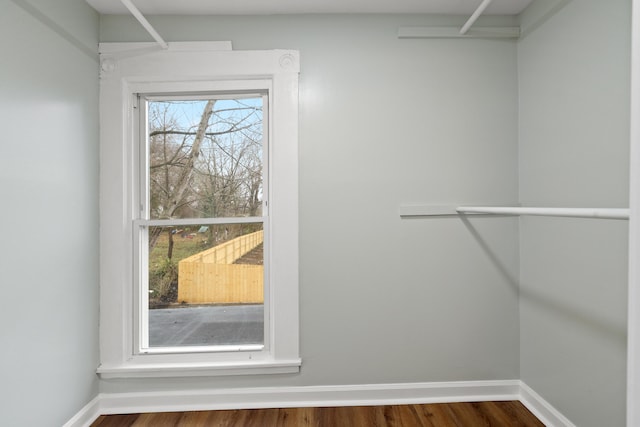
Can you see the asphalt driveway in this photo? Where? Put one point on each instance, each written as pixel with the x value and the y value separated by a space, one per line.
pixel 206 325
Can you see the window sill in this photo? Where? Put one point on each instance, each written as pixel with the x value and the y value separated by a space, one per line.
pixel 163 370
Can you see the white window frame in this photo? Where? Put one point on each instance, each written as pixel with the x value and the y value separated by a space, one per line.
pixel 155 91
pixel 132 68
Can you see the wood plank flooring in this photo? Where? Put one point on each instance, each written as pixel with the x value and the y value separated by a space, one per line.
pixel 475 414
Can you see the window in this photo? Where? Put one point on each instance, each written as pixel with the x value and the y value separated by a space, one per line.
pixel 201 222
pixel 199 268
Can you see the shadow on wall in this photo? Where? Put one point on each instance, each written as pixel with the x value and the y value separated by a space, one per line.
pixel 558 6
pixel 611 330
pixel 56 28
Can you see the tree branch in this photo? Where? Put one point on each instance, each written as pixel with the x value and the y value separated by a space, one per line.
pixel 181 132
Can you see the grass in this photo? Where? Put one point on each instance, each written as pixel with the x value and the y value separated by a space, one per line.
pixel 183 247
pixel 163 272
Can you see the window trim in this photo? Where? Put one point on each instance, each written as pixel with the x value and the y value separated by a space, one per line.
pixel 129 69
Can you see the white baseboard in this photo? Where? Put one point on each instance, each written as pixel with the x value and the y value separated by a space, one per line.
pixel 542 409
pixel 315 396
pixel 88 414
pixel 311 396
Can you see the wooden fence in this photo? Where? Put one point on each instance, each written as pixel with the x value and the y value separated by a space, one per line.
pixel 210 277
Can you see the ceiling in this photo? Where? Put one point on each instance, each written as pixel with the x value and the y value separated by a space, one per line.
pixel 267 7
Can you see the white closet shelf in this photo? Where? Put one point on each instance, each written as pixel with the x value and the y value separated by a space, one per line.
pixel 454 32
pixel 450 210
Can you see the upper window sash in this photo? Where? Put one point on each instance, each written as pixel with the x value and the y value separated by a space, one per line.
pixel 244 114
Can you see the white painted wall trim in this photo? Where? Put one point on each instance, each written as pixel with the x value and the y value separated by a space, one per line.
pixel 87 415
pixel 542 409
pixel 316 396
pixel 633 323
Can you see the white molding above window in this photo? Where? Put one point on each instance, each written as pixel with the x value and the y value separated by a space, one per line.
pixel 129 69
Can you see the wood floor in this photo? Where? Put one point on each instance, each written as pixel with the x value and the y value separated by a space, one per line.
pixel 477 414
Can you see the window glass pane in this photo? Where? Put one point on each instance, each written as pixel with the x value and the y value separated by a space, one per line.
pixel 205 157
pixel 206 285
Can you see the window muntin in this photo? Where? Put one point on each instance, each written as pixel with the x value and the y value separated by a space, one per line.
pixel 202 187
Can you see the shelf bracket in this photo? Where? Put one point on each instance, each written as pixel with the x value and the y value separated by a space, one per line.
pixel 143 21
pixel 474 17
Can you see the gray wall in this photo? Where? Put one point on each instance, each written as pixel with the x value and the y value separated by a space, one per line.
pixel 383 122
pixel 49 214
pixel 574 120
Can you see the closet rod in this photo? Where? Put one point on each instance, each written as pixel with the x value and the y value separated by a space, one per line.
pixel 605 213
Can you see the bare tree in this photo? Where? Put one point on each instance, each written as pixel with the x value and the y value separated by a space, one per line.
pixel 176 191
pixel 210 170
